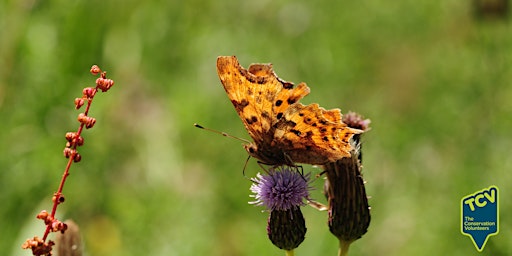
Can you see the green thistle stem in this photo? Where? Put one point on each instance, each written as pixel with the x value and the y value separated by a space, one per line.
pixel 344 245
pixel 289 252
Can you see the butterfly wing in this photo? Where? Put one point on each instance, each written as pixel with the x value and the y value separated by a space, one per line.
pixel 284 93
pixel 310 134
pixel 260 98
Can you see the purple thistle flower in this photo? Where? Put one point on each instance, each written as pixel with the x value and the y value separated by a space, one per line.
pixel 282 189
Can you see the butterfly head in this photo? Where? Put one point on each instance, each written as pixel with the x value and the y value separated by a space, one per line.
pixel 273 156
pixel 252 149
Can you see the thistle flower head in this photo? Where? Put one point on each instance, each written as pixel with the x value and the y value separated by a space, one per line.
pixel 281 189
pixel 355 120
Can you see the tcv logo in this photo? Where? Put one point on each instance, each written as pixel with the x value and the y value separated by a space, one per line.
pixel 480 216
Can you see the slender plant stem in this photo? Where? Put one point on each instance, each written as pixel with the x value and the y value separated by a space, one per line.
pixel 58 194
pixel 289 252
pixel 344 245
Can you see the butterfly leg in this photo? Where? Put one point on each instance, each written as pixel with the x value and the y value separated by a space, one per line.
pixel 245 166
pixel 262 166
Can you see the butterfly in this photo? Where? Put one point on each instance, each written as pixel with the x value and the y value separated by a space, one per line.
pixel 283 130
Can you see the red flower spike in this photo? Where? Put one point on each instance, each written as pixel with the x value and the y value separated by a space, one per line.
pixel 42 246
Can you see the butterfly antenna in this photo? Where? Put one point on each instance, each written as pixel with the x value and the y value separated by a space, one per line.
pixel 221 133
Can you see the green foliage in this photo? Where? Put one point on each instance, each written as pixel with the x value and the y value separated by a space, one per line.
pixel 434 81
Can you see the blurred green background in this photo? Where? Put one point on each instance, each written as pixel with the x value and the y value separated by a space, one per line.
pixel 434 80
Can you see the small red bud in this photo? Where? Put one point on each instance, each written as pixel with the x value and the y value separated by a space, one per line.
pixel 89 92
pixel 79 141
pixel 63 227
pixel 79 102
pixel 77 158
pixel 95 69
pixel 100 82
pixel 67 151
pixel 87 121
pixel 57 225
pixel 70 136
pixel 58 198
pixel 82 118
pixel 43 215
pixel 104 84
pixel 90 122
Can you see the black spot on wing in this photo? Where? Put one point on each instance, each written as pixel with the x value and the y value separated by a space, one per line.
pixel 291 101
pixel 251 120
pixel 287 85
pixel 239 106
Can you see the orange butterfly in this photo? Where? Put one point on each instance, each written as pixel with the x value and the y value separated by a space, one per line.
pixel 284 131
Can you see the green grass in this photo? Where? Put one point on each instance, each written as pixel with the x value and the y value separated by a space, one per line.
pixel 435 82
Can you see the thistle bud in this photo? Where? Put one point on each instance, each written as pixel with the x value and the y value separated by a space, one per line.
pixel 349 212
pixel 286 229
